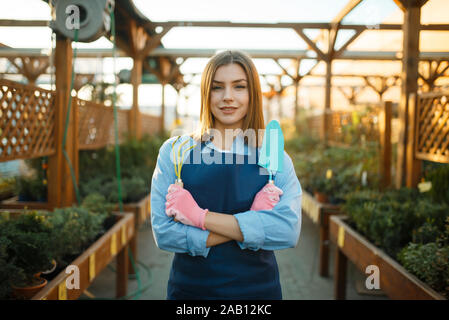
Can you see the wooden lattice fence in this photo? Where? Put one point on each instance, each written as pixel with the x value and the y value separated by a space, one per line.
pixel 26 121
pixel 432 127
pixel 95 122
pixel 150 124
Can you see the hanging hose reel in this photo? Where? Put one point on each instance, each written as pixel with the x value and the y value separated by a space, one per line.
pixel 93 18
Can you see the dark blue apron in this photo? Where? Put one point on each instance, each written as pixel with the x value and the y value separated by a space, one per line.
pixel 228 272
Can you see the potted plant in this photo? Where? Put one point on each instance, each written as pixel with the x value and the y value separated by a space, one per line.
pixel 320 187
pixel 29 246
pixel 9 272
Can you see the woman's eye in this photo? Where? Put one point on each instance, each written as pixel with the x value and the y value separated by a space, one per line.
pixel 216 87
pixel 241 87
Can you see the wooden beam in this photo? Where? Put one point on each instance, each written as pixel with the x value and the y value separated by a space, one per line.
pixel 254 53
pixel 154 42
pixel 409 77
pixel 385 117
pixel 346 10
pixel 134 115
pixel 347 43
pixel 24 23
pixel 327 98
pixel 312 44
pixel 413 165
pixel 299 25
pixel 400 4
pixel 61 192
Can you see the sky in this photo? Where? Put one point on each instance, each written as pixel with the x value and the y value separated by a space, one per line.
pixel 267 11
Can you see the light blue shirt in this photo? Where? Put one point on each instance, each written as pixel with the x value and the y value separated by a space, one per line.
pixel 274 229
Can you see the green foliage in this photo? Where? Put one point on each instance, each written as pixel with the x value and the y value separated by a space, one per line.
pixel 31 241
pixel 29 245
pixel 31 188
pixel 96 203
pixel 429 262
pixel 347 164
pixel 391 219
pixel 428 232
pixel 7 186
pixel 9 272
pixel 440 183
pixel 137 162
pixel 73 229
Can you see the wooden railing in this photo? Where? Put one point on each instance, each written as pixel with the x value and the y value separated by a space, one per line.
pixel 428 133
pixel 26 121
pixel 432 127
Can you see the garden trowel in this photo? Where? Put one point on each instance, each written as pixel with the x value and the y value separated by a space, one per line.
pixel 272 152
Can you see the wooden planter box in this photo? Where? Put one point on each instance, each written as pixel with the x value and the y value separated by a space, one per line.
pixel 141 211
pixel 320 213
pixel 114 243
pixel 395 280
pixel 14 203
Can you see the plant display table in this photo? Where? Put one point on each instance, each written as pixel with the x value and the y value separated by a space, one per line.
pixel 320 213
pixel 141 211
pixel 113 244
pixel 395 280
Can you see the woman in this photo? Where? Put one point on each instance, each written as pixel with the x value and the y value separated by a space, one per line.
pixel 224 224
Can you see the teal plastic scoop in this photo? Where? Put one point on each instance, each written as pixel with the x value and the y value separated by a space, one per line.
pixel 271 155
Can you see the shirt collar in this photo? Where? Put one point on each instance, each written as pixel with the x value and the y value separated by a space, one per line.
pixel 238 145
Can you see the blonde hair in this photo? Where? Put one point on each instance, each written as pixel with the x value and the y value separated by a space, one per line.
pixel 254 117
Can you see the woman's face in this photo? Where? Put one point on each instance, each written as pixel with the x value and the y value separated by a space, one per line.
pixel 229 96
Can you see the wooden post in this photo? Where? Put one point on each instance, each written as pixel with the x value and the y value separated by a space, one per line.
pixel 61 191
pixel 385 144
pixel 324 243
pixel 296 101
pixel 413 165
pixel 122 273
pixel 327 97
pixel 340 275
pixel 409 76
pixel 134 115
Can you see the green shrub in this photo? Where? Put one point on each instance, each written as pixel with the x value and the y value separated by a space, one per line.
pixel 96 203
pixel 9 272
pixel 29 245
pixel 429 262
pixel 137 162
pixel 73 229
pixel 440 183
pixel 391 219
pixel 31 188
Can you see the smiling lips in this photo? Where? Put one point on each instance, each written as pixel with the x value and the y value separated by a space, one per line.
pixel 227 110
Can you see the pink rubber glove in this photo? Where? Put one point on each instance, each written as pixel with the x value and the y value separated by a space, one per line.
pixel 181 205
pixel 266 198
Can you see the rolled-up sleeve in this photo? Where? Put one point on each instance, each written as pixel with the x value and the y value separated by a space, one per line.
pixel 170 235
pixel 280 227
